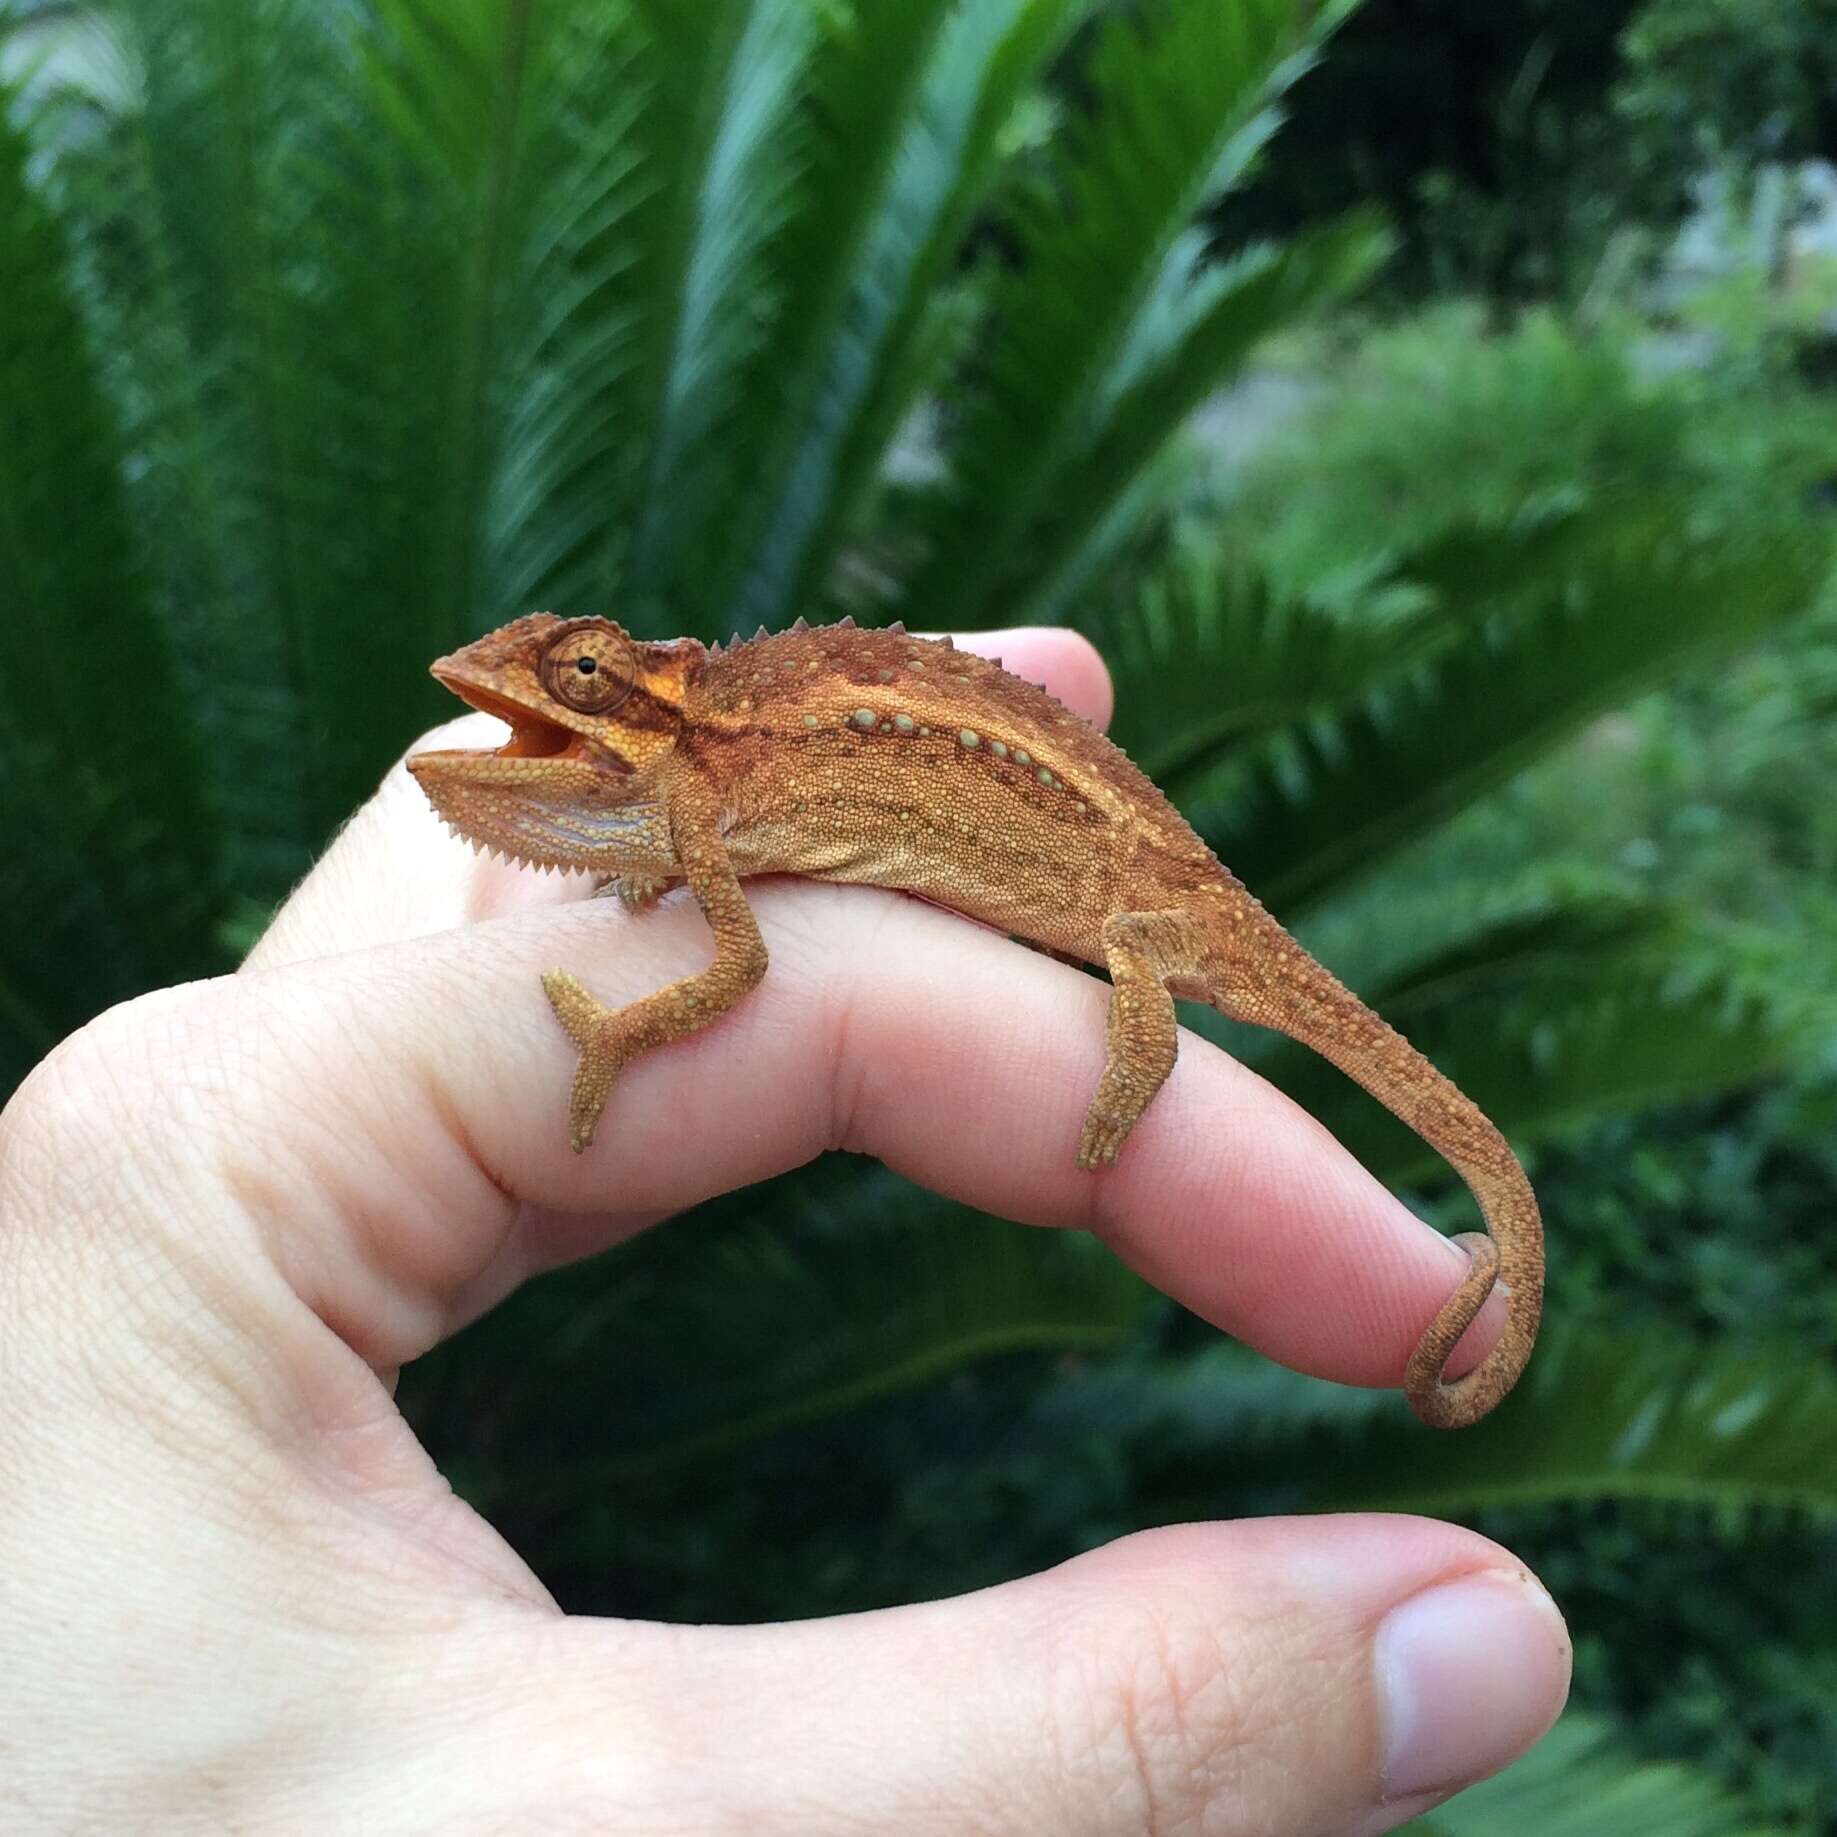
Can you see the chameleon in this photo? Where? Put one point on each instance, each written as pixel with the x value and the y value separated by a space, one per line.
pixel 842 753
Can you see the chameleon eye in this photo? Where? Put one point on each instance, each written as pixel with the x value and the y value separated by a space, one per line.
pixel 590 668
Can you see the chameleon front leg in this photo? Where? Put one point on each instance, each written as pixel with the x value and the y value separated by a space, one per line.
pixel 610 1038
pixel 1142 949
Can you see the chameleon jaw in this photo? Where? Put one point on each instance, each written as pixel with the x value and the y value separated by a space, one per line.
pixel 532 736
pixel 548 809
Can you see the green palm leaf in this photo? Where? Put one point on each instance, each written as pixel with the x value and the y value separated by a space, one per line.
pixel 878 1288
pixel 1580 1000
pixel 1184 102
pixel 1206 655
pixel 1334 802
pixel 909 112
pixel 1640 1418
pixel 719 149
pixel 1579 1781
pixel 108 875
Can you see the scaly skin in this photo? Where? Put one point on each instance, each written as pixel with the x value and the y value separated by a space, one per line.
pixel 878 757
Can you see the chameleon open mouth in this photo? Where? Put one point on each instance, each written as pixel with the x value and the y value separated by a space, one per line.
pixel 531 737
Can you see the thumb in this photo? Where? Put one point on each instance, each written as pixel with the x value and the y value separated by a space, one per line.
pixel 1301 1675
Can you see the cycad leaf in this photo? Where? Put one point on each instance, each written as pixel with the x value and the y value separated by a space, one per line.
pixel 1590 1006
pixel 1610 1413
pixel 720 147
pixel 709 1333
pixel 1342 799
pixel 1206 655
pixel 1183 349
pixel 1605 1413
pixel 108 874
pixel 909 112
pixel 354 196
pixel 1179 100
pixel 570 322
pixel 1444 938
pixel 1580 1781
pixel 1209 652
pixel 455 80
pixel 183 224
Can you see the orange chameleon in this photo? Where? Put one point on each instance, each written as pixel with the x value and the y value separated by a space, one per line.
pixel 875 756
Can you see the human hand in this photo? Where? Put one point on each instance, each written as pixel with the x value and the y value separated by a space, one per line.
pixel 237 1596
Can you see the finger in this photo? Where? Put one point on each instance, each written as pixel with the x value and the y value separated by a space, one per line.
pixel 396 1119
pixel 393 872
pixel 1282 1676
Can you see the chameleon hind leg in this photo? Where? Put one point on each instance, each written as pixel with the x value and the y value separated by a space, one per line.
pixel 610 1038
pixel 1142 950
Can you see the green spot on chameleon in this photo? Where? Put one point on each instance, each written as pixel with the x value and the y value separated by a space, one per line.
pixel 903 722
pixel 865 717
pixel 810 720
pixel 970 737
pixel 999 748
pixel 1022 756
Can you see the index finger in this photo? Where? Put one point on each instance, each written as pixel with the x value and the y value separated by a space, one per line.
pixel 417 1094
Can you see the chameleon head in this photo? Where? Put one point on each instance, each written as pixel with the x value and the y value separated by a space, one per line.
pixel 592 715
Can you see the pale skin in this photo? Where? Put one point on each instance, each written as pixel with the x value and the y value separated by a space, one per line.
pixel 238 1597
pixel 890 760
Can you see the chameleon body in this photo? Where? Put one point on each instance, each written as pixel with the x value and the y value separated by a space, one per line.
pixel 875 756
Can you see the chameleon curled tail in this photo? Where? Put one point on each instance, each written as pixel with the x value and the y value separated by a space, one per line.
pixel 1293 994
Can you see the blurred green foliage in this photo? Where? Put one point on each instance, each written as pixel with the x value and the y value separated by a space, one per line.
pixel 1494 647
pixel 1520 146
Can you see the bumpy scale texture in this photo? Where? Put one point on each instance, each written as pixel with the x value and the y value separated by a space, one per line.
pixel 878 757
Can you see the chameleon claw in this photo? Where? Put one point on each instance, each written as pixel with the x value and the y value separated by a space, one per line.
pixel 635 892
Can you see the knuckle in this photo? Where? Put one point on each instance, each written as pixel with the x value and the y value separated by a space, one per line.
pixel 68 1099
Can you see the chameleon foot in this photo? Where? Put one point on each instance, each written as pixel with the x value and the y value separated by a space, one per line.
pixel 635 892
pixel 600 1061
pixel 1103 1136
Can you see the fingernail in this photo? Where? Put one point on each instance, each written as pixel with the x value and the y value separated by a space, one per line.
pixel 1469 1675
